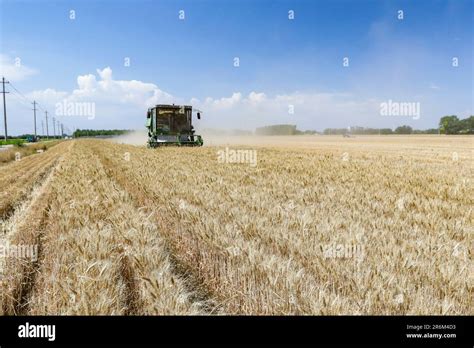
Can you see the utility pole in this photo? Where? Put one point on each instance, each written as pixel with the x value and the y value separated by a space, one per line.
pixel 59 129
pixel 42 128
pixel 47 130
pixel 54 128
pixel 62 129
pixel 4 108
pixel 34 113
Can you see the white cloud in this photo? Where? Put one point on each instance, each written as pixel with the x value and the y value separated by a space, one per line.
pixel 106 91
pixel 255 98
pixel 306 109
pixel 224 103
pixel 87 82
pixel 13 69
pixel 123 103
pixel 105 74
pixel 47 96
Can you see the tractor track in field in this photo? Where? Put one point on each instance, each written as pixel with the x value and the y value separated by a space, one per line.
pixel 195 289
pixel 25 224
pixel 17 187
pixel 131 299
pixel 9 209
pixel 26 287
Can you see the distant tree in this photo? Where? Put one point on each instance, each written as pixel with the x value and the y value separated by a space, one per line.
pixel 278 129
pixel 403 130
pixel 426 131
pixel 98 132
pixel 466 125
pixel 386 131
pixel 333 131
pixel 449 124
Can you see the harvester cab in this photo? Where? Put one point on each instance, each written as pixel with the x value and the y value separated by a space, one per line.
pixel 172 125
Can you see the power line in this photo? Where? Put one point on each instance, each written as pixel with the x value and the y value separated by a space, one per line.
pixel 21 100
pixel 36 106
pixel 18 93
pixel 11 85
pixel 39 106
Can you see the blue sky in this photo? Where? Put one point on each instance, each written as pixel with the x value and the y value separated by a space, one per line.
pixel 283 62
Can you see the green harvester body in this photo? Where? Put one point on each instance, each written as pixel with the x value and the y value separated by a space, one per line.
pixel 171 125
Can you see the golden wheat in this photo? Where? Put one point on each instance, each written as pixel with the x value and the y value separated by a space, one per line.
pixel 375 225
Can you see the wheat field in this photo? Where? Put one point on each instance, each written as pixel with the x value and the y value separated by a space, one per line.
pixel 295 225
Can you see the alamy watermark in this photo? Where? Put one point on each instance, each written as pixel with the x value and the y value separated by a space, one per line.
pixel 237 156
pixel 344 251
pixel 67 108
pixel 21 251
pixel 393 108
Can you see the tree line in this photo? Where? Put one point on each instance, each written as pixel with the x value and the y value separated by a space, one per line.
pixel 447 125
pixel 277 129
pixel 453 125
pixel 98 132
pixel 383 131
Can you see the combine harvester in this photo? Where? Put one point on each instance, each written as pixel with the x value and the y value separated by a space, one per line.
pixel 171 125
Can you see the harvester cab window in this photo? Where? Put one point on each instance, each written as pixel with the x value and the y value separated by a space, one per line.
pixel 173 119
pixel 181 121
pixel 163 120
